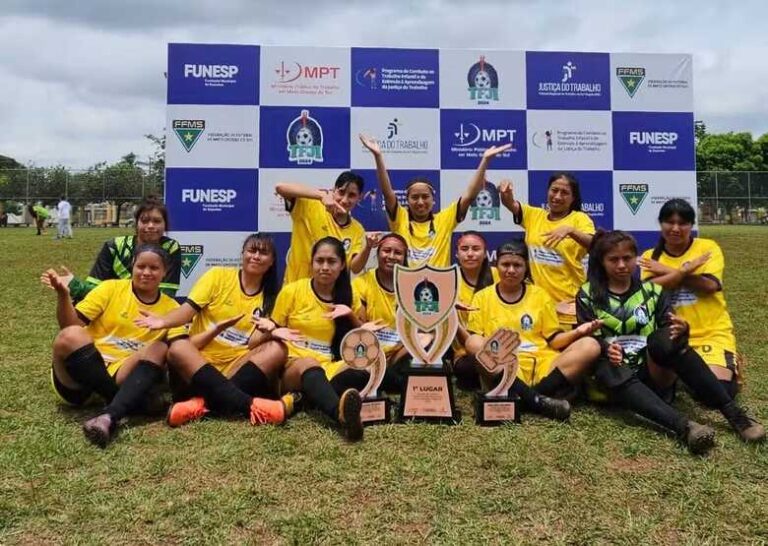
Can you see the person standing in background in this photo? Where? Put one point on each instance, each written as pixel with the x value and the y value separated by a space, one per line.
pixel 64 210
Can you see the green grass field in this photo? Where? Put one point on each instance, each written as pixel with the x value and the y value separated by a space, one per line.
pixel 602 478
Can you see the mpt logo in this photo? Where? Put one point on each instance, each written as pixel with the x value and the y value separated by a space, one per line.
pixel 211 71
pixel 469 133
pixel 483 82
pixel 209 195
pixel 305 140
pixel 293 71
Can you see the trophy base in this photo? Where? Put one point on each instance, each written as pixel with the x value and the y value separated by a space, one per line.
pixel 376 411
pixel 492 412
pixel 428 397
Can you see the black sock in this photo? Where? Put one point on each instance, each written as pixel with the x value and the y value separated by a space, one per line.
pixel 553 383
pixel 467 376
pixel 252 381
pixel 220 394
pixel 529 398
pixel 731 387
pixel 703 383
pixel 350 379
pixel 637 397
pixel 395 376
pixel 320 392
pixel 86 366
pixel 133 391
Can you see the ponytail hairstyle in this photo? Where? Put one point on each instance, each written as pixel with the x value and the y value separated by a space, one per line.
pixel 574 185
pixel 341 293
pixel 678 206
pixel 393 235
pixel 411 183
pixel 270 285
pixel 516 248
pixel 485 277
pixel 602 243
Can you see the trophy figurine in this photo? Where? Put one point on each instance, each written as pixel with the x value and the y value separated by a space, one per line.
pixel 499 356
pixel 360 350
pixel 426 299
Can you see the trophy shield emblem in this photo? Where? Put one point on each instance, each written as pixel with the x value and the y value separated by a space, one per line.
pixel 426 298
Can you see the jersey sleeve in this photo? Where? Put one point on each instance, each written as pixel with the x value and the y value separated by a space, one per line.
pixel 96 301
pixel 170 283
pixel 715 266
pixel 356 243
pixel 360 288
pixel 447 219
pixel 584 310
pixel 585 224
pixel 103 267
pixel 205 290
pixel 476 320
pixel 527 214
pixel 663 308
pixel 644 273
pixel 398 222
pixel 283 305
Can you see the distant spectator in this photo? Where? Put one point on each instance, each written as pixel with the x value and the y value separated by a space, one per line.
pixel 64 210
pixel 40 214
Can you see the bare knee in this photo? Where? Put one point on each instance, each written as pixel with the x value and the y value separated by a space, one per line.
pixel 70 339
pixel 155 353
pixel 588 346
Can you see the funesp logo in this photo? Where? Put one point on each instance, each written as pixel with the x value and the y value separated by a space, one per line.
pixel 657 138
pixel 205 196
pixel 211 71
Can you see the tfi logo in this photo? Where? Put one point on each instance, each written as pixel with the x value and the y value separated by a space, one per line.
pixel 653 138
pixel 211 71
pixel 208 195
pixel 469 133
pixel 292 71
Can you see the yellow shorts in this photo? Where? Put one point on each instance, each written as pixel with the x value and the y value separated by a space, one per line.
pixel 714 354
pixel 331 369
pixel 535 366
pixel 80 397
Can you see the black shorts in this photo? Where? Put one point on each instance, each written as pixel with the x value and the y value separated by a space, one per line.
pixel 73 397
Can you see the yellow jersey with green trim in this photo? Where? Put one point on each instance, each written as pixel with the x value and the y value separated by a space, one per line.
pixel 430 241
pixel 707 314
pixel 217 296
pixel 110 309
pixel 311 222
pixel 380 304
pixel 300 308
pixel 560 269
pixel 533 316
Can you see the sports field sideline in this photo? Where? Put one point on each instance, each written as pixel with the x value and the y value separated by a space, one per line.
pixel 592 480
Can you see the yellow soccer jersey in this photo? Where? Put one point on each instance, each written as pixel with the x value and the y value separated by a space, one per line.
pixel 300 308
pixel 218 296
pixel 430 241
pixel 380 304
pixel 707 314
pixel 311 222
pixel 110 309
pixel 466 293
pixel 559 269
pixel 533 316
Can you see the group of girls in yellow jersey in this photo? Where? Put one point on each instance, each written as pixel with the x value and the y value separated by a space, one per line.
pixel 243 345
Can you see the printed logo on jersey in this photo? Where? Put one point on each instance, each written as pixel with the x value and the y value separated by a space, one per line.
pixel 641 315
pixel 190 257
pixel 483 82
pixel 630 78
pixel 526 322
pixel 305 140
pixel 188 131
pixel 633 195
pixel 347 242
pixel 546 256
pixel 487 206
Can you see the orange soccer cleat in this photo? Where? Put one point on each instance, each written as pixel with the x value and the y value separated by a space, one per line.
pixel 267 412
pixel 181 413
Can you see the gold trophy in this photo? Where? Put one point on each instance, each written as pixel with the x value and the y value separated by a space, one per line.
pixel 499 355
pixel 360 350
pixel 426 299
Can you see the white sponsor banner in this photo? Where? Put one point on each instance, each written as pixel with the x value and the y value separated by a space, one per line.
pixel 310 76
pixel 212 136
pixel 647 82
pixel 201 250
pixel 638 196
pixel 486 214
pixel 272 214
pixel 569 140
pixel 480 79
pixel 409 137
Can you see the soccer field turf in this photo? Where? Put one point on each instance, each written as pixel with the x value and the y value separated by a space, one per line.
pixel 604 477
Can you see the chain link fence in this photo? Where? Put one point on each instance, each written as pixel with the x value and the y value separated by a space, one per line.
pixel 733 197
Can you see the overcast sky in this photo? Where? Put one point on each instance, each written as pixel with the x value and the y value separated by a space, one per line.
pixel 82 81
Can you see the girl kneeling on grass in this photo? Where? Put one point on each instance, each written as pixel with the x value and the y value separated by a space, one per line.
pixel 642 339
pixel 233 373
pixel 99 348
pixel 322 309
pixel 550 359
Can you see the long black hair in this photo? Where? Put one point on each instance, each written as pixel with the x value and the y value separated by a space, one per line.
pixel 678 206
pixel 574 185
pixel 485 277
pixel 516 248
pixel 341 293
pixel 270 285
pixel 602 243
